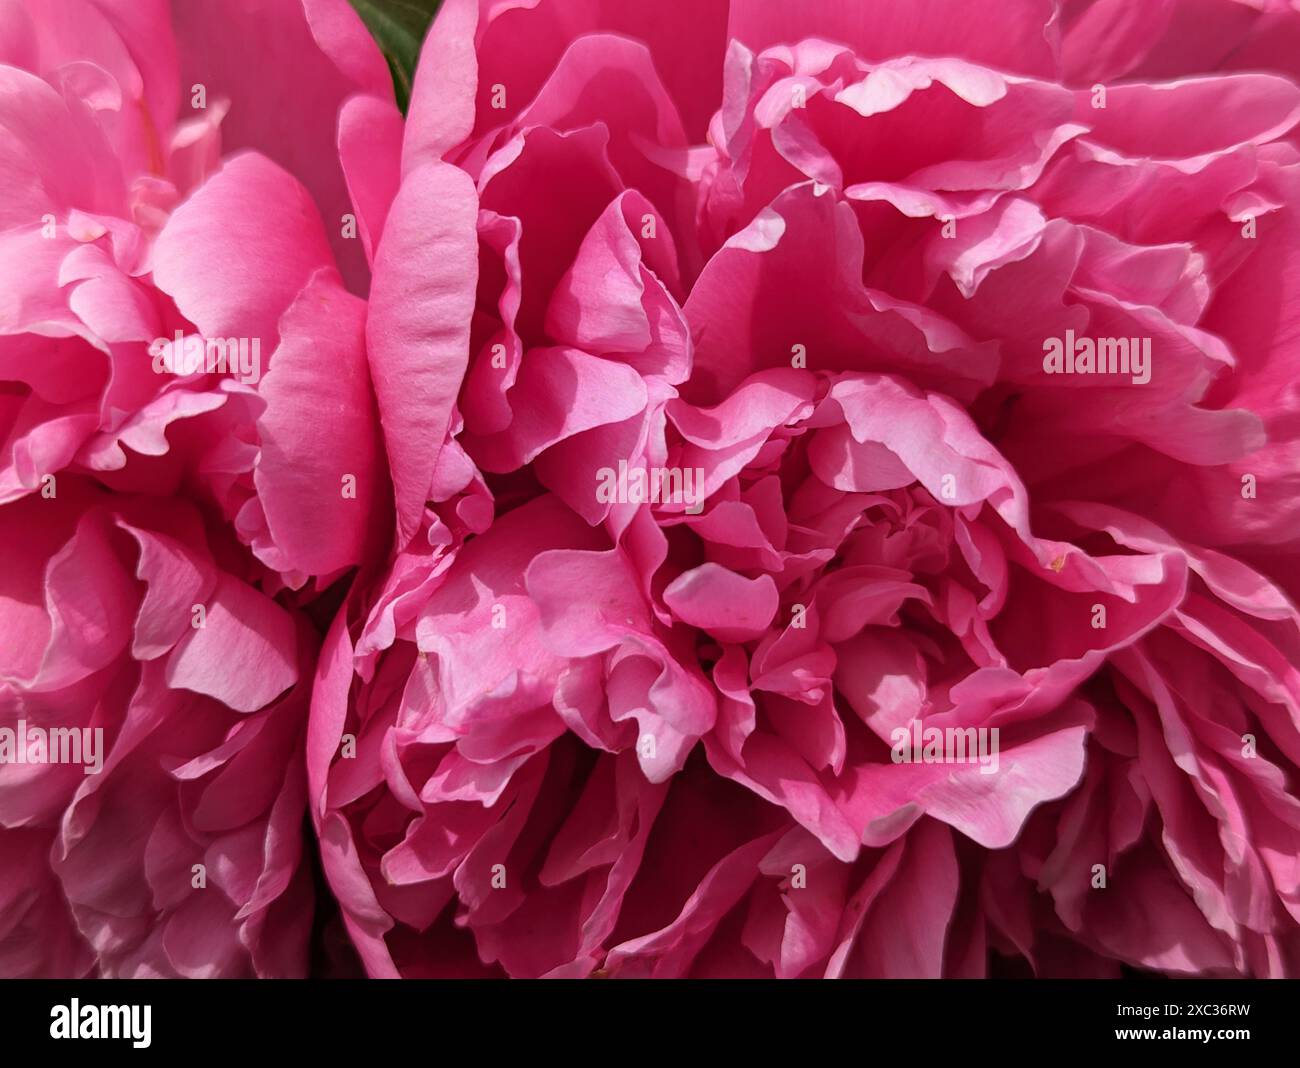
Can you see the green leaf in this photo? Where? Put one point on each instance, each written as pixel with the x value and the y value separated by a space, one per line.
pixel 398 27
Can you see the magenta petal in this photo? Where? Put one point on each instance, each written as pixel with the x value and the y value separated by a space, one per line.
pixel 320 476
pixel 417 330
pixel 242 627
pixel 257 208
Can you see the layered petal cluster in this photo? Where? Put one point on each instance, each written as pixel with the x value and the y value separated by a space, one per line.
pixel 171 291
pixel 189 437
pixel 800 489
pixel 152 707
pixel 775 593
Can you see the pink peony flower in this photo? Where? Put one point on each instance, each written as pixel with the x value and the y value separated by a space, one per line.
pixel 846 482
pixel 152 507
pixel 165 306
pixel 152 704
